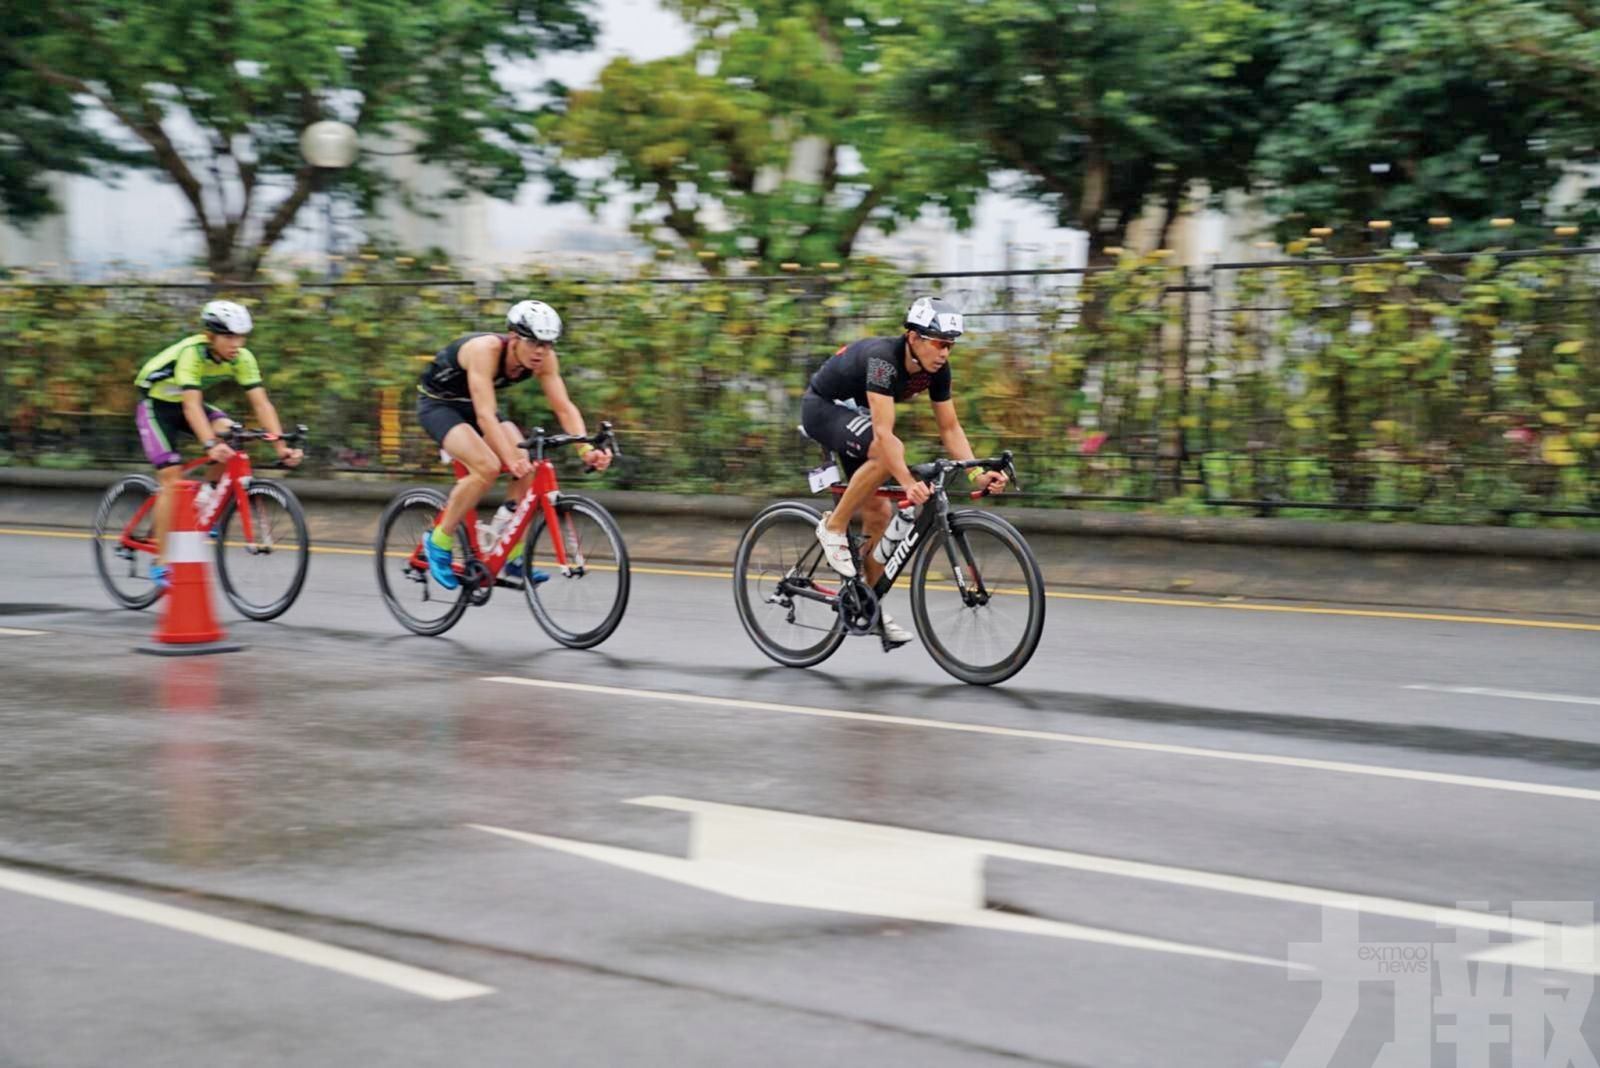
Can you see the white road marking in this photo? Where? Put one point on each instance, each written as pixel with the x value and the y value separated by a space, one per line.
pixel 1519 695
pixel 860 869
pixel 1576 793
pixel 12 632
pixel 788 858
pixel 404 977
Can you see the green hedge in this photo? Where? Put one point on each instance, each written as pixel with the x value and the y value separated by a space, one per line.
pixel 1448 390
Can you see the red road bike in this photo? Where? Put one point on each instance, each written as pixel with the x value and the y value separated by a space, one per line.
pixel 570 540
pixel 257 525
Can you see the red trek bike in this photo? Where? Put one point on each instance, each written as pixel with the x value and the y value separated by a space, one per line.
pixel 257 525
pixel 570 540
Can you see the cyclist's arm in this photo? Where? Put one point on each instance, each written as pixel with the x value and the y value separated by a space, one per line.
pixel 478 356
pixel 267 416
pixel 958 448
pixel 567 414
pixel 555 392
pixel 951 435
pixel 194 413
pixel 892 449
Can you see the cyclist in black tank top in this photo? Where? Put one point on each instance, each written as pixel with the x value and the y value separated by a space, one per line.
pixel 456 406
pixel 446 379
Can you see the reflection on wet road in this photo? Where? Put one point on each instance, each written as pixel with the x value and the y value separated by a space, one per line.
pixel 668 850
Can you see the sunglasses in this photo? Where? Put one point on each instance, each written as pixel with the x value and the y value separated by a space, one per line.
pixel 942 344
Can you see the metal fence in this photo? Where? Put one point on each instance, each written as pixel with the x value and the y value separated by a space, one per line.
pixel 1425 387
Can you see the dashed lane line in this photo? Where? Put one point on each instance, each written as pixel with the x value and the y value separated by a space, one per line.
pixel 1517 695
pixel 1576 793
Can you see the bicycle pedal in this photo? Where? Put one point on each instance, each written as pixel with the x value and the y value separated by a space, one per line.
pixel 509 583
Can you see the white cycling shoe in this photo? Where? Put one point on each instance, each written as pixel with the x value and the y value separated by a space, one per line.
pixel 835 548
pixel 894 634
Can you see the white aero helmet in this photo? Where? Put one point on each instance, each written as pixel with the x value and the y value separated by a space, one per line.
pixel 225 317
pixel 932 317
pixel 534 319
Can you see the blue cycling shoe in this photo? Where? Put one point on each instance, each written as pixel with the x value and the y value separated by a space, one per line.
pixel 439 559
pixel 161 575
pixel 514 571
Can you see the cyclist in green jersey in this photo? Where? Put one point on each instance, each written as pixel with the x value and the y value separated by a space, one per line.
pixel 172 406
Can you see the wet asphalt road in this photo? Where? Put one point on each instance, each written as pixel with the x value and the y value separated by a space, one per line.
pixel 357 787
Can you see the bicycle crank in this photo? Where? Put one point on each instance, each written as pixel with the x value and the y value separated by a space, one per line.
pixel 476 577
pixel 858 607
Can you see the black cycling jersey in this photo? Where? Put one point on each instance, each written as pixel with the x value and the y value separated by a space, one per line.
pixel 446 379
pixel 876 365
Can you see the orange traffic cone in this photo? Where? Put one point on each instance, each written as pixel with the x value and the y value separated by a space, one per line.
pixel 187 625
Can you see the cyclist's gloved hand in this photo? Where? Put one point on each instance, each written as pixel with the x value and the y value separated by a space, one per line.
pixel 221 452
pixel 290 457
pixel 521 467
pixel 597 459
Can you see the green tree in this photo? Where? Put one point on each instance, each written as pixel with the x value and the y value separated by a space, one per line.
pixel 1391 109
pixel 773 138
pixel 214 94
pixel 40 132
pixel 1104 108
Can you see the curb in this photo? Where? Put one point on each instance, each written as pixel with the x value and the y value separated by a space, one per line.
pixel 1364 537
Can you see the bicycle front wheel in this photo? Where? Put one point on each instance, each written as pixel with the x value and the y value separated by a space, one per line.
pixel 419 603
pixel 261 570
pixel 777 563
pixel 125 541
pixel 978 598
pixel 580 602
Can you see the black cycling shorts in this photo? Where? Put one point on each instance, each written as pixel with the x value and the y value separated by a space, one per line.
pixel 845 429
pixel 439 417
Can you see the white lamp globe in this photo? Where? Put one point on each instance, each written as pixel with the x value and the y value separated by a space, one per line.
pixel 328 144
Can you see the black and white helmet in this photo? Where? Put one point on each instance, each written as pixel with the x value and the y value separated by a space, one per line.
pixel 534 319
pixel 932 317
pixel 225 317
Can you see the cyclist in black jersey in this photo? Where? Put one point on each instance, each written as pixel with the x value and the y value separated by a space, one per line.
pixel 457 408
pixel 849 408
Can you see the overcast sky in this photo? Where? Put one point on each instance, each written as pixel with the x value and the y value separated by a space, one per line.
pixel 146 221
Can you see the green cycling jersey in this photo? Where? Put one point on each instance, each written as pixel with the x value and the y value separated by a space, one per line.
pixel 190 364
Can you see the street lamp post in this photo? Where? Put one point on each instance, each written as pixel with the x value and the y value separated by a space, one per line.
pixel 329 146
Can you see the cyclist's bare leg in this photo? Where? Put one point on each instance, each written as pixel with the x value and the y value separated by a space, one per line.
pixel 221 428
pixel 517 488
pixel 168 477
pixel 875 516
pixel 863 484
pixel 483 467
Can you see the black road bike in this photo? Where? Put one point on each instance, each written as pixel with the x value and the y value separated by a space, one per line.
pixel 977 597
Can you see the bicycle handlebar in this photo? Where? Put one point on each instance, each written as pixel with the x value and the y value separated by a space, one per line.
pixel 538 441
pixel 939 471
pixel 242 433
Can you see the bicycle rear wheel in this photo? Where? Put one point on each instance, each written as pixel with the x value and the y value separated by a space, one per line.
pixel 261 576
pixel 419 603
pixel 983 624
pixel 581 603
pixel 124 568
pixel 778 556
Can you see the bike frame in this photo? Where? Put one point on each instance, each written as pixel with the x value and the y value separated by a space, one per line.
pixel 541 495
pixel 938 514
pixel 235 481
